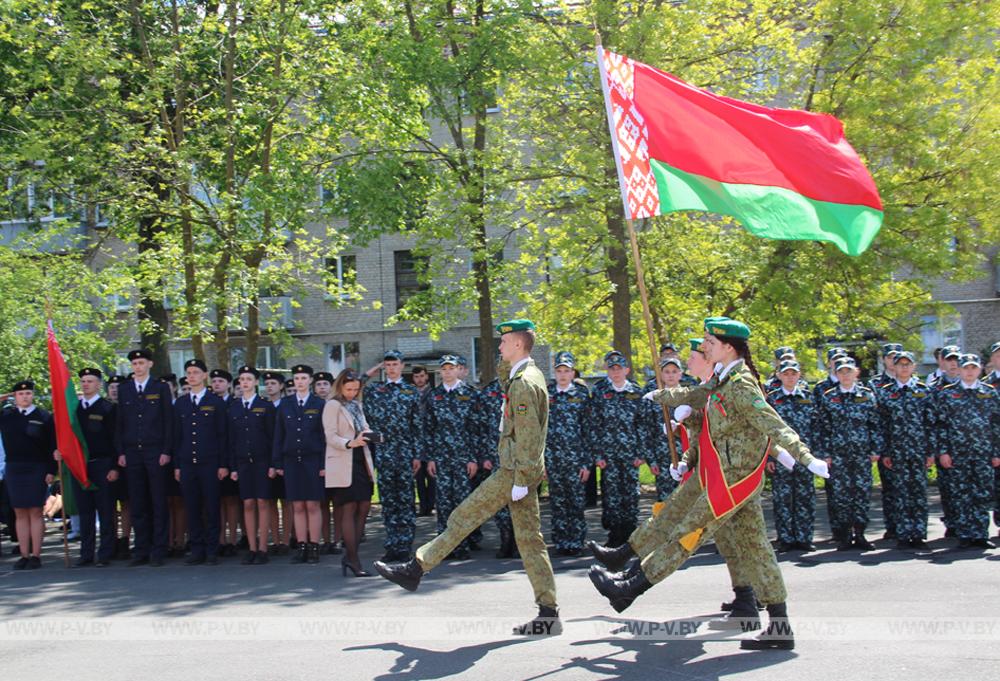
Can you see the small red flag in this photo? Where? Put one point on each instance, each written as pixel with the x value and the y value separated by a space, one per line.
pixel 69 435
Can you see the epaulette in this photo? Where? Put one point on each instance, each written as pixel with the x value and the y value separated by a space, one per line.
pixel 830 390
pixel 771 392
pixel 920 384
pixel 945 386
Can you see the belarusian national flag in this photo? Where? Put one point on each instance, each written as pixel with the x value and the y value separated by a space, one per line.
pixel 784 174
pixel 69 434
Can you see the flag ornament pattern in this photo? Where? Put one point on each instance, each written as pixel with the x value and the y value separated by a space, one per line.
pixel 782 173
pixel 69 433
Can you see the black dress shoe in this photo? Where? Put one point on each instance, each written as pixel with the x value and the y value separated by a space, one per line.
pixel 22 563
pixel 250 558
pixel 805 546
pixel 983 543
pixel 406 575
pixel 34 562
pixel 136 562
pixel 262 558
pixel 211 560
pixel 918 544
pixel 84 562
pixel 195 559
pixel 863 544
pixel 156 562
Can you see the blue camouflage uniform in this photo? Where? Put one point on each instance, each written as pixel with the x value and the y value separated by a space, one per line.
pixel 620 434
pixel 849 432
pixel 993 379
pixel 660 447
pixel 566 453
pixel 907 414
pixel 969 421
pixel 489 410
pixel 792 491
pixel 393 409
pixel 451 429
pixel 944 475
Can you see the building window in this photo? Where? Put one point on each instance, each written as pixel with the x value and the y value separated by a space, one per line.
pixel 267 358
pixel 409 267
pixel 341 274
pixel 340 356
pixel 939 331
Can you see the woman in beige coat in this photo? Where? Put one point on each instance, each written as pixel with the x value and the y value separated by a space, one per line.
pixel 349 469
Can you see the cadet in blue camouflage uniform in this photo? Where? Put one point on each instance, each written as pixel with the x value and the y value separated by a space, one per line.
pixel 907 410
pixel 392 410
pixel 993 379
pixel 567 456
pixel 969 414
pixel 489 411
pixel 781 355
pixel 792 491
pixel 886 379
pixel 669 351
pixel 821 387
pixel 620 436
pixel 452 451
pixel 949 373
pixel 671 373
pixel 849 437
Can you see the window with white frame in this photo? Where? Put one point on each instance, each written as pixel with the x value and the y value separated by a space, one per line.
pixel 939 331
pixel 340 356
pixel 341 274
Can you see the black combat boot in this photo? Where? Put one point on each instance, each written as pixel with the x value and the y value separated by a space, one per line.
pixel 546 623
pixel 777 636
pixel 620 589
pixel 506 543
pixel 299 556
pixel 613 558
pixel 860 541
pixel 742 615
pixel 846 540
pixel 407 574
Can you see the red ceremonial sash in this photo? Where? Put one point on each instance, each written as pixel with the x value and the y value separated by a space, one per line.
pixel 685 445
pixel 723 497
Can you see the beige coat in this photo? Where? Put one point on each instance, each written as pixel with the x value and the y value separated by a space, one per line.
pixel 339 428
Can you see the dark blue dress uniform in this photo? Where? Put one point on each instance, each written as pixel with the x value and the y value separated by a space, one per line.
pixel 144 431
pixel 908 422
pixel 792 491
pixel 300 447
pixel 567 451
pixel 969 421
pixel 849 432
pixel 619 434
pixel 97 420
pixel 393 410
pixel 451 433
pixel 200 450
pixel 251 441
pixel 29 440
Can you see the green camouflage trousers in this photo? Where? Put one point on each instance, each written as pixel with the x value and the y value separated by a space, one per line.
pixel 740 536
pixel 492 495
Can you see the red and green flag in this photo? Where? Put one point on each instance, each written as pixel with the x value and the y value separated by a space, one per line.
pixel 784 174
pixel 69 434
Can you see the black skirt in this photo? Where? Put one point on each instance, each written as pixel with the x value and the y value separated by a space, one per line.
pixel 254 483
pixel 26 484
pixel 362 488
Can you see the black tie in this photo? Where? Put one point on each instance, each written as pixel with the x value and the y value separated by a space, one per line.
pixel 194 400
pixel 24 412
pixel 138 390
pixel 302 403
pixel 85 406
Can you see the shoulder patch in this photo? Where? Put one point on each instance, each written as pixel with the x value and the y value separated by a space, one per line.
pixel 759 403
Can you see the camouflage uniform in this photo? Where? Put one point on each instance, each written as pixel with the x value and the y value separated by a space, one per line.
pixel 566 452
pixel 660 446
pixel 993 379
pixel 792 491
pixel 490 409
pixel 945 476
pixel 451 429
pixel 848 432
pixel 889 505
pixel 620 434
pixel 688 520
pixel 392 409
pixel 907 414
pixel 522 446
pixel 970 425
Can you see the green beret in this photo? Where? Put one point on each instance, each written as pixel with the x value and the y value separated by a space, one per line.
pixel 696 344
pixel 515 325
pixel 729 328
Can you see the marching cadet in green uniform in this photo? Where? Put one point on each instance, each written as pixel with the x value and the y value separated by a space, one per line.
pixel 738 428
pixel 522 466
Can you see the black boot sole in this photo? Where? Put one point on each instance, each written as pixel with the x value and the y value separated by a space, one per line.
pixel 619 603
pixel 774 644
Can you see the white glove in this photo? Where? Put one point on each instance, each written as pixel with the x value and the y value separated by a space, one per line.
pixel 819 467
pixel 650 396
pixel 678 472
pixel 682 412
pixel 784 458
pixel 517 493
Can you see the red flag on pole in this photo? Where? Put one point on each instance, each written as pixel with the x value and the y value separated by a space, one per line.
pixel 69 435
